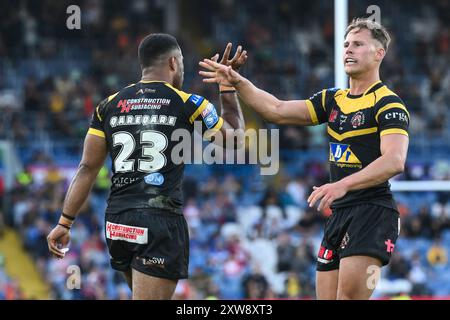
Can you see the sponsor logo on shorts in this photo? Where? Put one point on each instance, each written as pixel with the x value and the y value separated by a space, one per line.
pixel 345 241
pixel 325 255
pixel 126 233
pixel 390 246
pixel 153 261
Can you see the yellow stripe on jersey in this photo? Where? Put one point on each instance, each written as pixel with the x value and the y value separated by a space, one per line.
pixel 109 99
pixel 373 85
pixel 393 131
pixel 324 92
pixel 112 96
pixel 312 112
pixel 96 132
pixel 350 134
pixel 209 133
pixel 383 92
pixel 390 106
pixel 198 111
pixel 347 105
pixel 98 114
pixel 183 95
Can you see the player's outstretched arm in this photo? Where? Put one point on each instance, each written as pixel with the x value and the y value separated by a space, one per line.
pixel 268 106
pixel 94 155
pixel 231 112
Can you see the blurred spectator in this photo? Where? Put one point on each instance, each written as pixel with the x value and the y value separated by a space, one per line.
pixel 437 254
pixel 255 284
pixel 285 252
pixel 418 277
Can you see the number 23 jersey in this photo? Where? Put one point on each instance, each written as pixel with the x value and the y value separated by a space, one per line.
pixel 137 123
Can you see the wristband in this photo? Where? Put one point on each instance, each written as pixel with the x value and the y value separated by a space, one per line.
pixel 64 226
pixel 66 220
pixel 227 89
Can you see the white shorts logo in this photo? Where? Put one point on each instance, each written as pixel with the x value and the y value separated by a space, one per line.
pixel 126 233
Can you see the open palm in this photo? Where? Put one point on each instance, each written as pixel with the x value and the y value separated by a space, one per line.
pixel 219 73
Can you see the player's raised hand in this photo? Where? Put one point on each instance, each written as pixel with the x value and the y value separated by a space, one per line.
pixel 238 60
pixel 58 240
pixel 219 73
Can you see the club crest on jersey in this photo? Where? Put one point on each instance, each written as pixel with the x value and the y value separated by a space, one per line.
pixel 333 116
pixel 343 155
pixel 210 116
pixel 357 119
pixel 154 178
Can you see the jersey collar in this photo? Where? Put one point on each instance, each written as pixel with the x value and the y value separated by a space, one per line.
pixel 152 81
pixel 372 88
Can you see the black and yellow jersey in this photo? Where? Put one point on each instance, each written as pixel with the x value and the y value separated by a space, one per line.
pixel 137 123
pixel 355 125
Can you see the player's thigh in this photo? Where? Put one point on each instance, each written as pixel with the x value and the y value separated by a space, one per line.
pixel 358 276
pixel 327 284
pixel 128 277
pixel 146 287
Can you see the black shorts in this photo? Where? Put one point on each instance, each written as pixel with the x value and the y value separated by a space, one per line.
pixel 156 244
pixel 361 230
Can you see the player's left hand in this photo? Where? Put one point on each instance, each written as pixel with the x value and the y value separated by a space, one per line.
pixel 328 193
pixel 58 240
pixel 238 60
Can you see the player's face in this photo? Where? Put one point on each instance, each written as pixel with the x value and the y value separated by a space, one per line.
pixel 179 75
pixel 361 52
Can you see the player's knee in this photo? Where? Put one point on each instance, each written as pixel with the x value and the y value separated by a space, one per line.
pixel 345 295
pixel 353 291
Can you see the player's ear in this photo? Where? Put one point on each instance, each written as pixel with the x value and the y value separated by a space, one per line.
pixel 379 54
pixel 173 63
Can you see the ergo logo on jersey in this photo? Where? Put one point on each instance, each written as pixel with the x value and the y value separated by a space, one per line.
pixel 396 115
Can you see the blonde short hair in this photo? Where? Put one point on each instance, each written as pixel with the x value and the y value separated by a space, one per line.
pixel 378 32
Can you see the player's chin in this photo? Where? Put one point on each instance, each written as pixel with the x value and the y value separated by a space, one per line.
pixel 352 70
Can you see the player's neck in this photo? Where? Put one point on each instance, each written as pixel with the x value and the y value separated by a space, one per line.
pixel 360 85
pixel 155 75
